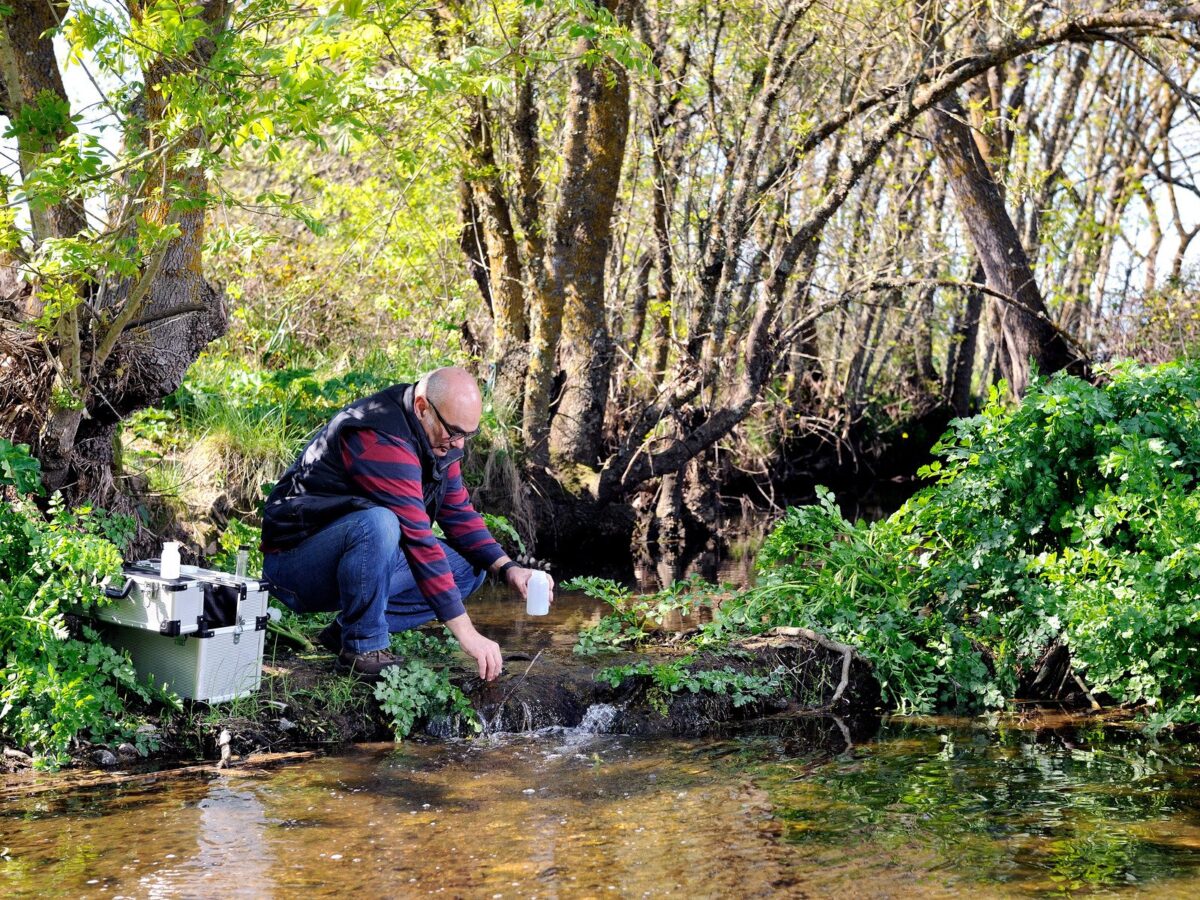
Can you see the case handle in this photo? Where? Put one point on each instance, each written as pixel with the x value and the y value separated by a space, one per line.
pixel 113 593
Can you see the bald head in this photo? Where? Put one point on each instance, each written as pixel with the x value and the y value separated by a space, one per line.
pixel 449 385
pixel 449 403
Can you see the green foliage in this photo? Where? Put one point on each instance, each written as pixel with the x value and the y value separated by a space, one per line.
pixel 18 469
pixel 501 527
pixel 55 687
pixel 238 534
pixel 674 676
pixel 1073 517
pixel 848 580
pixel 618 629
pixel 414 690
pixel 425 646
pixel 634 618
pixel 420 687
pixel 272 412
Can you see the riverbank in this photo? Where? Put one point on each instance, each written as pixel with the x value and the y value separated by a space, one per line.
pixel 303 704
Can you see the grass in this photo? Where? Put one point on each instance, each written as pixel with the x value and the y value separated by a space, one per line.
pixel 233 426
pixel 249 449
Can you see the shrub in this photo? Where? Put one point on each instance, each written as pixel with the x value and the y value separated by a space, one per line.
pixel 1072 517
pixel 56 687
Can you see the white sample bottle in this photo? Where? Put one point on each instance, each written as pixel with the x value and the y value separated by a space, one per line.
pixel 537 596
pixel 168 560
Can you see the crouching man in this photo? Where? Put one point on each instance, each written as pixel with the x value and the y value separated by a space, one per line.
pixel 348 526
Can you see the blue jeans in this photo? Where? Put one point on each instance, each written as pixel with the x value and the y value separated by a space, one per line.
pixel 356 566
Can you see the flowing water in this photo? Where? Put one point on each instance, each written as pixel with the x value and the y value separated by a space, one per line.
pixel 933 808
pixel 1010 806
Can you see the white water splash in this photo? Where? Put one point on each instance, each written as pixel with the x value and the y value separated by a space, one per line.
pixel 597 719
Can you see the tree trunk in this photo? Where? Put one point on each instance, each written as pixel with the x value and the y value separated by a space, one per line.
pixel 960 361
pixel 597 121
pixel 33 87
pixel 170 313
pixel 149 328
pixel 29 76
pixel 510 327
pixel 1027 337
pixel 471 241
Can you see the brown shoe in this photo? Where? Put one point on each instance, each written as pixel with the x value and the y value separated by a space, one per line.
pixel 368 666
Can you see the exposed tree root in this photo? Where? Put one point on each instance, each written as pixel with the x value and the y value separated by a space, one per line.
pixel 846 651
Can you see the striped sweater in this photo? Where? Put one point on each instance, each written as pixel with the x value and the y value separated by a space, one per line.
pixel 387 470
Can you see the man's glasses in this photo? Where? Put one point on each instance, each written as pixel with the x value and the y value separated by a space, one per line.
pixel 452 431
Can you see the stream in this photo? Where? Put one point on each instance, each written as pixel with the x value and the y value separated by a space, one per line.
pixel 1012 805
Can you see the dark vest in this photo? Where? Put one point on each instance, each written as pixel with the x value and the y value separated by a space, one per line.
pixel 316 490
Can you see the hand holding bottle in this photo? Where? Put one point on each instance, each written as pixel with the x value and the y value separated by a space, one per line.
pixel 536 587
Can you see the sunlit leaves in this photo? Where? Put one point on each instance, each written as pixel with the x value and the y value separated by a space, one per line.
pixel 1073 518
pixel 41 122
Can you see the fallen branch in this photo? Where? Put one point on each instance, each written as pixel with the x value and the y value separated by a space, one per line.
pixel 1083 687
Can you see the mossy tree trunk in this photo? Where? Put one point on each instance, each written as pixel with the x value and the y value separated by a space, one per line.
pixel 488 237
pixel 510 326
pixel 580 237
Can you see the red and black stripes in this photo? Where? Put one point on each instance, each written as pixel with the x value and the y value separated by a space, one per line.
pixel 387 471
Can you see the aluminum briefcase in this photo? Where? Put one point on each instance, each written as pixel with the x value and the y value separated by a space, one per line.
pixel 214 666
pixel 198 599
pixel 201 634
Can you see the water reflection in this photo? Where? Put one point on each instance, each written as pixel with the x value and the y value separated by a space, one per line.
pixel 231 832
pixel 727 556
pixel 1072 810
pixel 931 808
pixel 655 568
pixel 503 619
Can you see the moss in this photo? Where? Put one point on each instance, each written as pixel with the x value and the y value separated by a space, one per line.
pixel 577 479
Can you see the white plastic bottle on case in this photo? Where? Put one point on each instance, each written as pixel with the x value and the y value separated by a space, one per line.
pixel 537 598
pixel 168 560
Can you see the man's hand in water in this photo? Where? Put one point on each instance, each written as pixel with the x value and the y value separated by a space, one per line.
pixel 484 651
